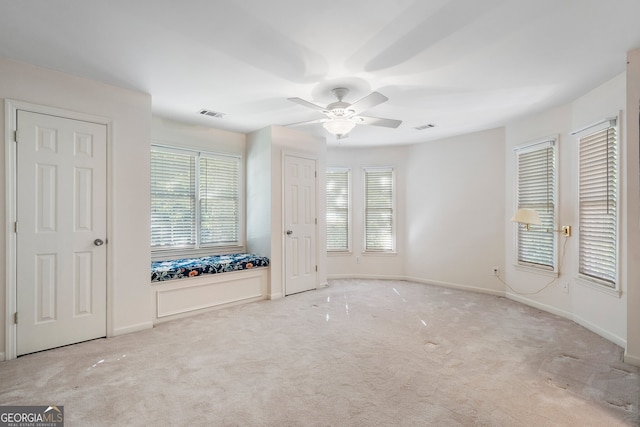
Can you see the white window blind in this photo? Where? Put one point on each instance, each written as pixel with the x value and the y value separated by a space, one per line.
pixel 195 199
pixel 338 202
pixel 173 199
pixel 219 199
pixel 598 206
pixel 537 190
pixel 379 213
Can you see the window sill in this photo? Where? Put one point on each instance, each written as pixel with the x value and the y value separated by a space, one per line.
pixel 168 254
pixel 584 282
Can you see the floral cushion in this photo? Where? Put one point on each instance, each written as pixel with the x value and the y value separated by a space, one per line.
pixel 193 267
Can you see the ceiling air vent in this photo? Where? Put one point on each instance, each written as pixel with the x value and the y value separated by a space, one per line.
pixel 423 127
pixel 212 113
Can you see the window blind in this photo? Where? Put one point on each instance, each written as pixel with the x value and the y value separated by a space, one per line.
pixel 173 201
pixel 219 199
pixel 537 190
pixel 379 215
pixel 338 209
pixel 598 195
pixel 195 199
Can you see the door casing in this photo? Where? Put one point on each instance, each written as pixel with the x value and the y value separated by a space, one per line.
pixel 307 156
pixel 11 109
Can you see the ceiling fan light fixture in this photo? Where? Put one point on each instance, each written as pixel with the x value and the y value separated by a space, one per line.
pixel 339 126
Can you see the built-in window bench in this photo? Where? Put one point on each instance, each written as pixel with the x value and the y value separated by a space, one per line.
pixel 187 286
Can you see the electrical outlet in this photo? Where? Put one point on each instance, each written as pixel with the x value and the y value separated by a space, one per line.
pixel 496 271
pixel 565 287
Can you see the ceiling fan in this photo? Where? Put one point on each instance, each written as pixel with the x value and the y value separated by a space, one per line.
pixel 342 117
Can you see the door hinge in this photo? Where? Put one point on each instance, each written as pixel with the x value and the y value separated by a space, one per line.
pixel 316 221
pixel 15 135
pixel 15 317
pixel 15 226
pixel 316 268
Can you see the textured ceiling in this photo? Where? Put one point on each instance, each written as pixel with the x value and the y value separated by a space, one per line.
pixel 463 65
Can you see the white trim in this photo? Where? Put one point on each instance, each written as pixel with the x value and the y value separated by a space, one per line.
pixel 457 286
pixel 199 248
pixel 418 280
pixel 536 304
pixel 608 122
pixel 394 216
pixel 592 283
pixel 631 360
pixel 11 111
pixel 537 144
pixel 615 122
pixel 599 331
pixel 133 328
pixel 509 295
pixel 314 158
pixel 551 141
pixel 349 208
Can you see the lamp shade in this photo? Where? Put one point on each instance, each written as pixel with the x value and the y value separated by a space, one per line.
pixel 339 126
pixel 526 216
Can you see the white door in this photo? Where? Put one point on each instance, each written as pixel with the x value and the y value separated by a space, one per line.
pixel 300 224
pixel 61 231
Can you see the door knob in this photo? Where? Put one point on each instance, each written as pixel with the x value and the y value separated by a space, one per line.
pixel 98 242
pixel 289 232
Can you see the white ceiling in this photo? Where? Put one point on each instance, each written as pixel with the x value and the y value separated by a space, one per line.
pixel 463 65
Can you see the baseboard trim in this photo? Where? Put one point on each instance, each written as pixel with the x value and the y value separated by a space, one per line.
pixel 631 360
pixel 276 295
pixel 2 358
pixel 599 331
pixel 538 305
pixel 132 328
pixel 365 277
pixel 456 286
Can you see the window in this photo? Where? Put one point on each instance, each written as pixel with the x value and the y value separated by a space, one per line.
pixel 598 195
pixel 338 210
pixel 379 233
pixel 195 199
pixel 536 189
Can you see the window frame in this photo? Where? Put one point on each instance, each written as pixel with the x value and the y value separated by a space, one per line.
pixel 199 248
pixel 332 169
pixel 550 142
pixel 589 280
pixel 392 249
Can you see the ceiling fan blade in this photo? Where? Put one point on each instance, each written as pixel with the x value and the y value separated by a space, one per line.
pixel 369 101
pixel 308 122
pixel 377 121
pixel 308 104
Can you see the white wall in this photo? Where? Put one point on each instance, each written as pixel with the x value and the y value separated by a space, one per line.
pixel 601 312
pixel 455 211
pixel 128 174
pixel 259 192
pixel 437 185
pixel 356 263
pixel 177 134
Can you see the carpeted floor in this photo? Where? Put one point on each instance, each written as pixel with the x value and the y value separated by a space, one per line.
pixel 358 353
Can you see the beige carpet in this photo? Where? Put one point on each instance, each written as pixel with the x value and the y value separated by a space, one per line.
pixel 359 353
